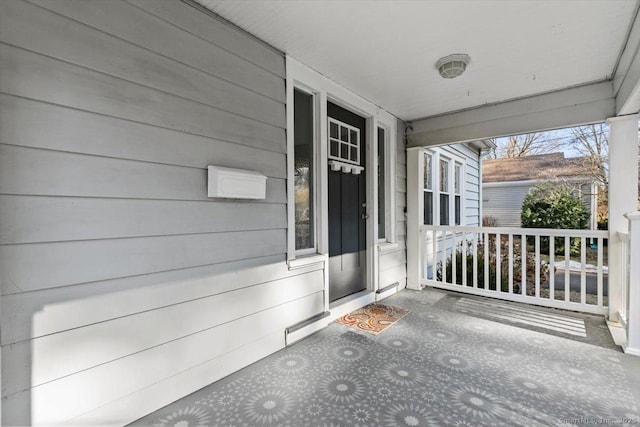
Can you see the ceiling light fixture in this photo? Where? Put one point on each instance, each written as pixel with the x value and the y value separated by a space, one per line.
pixel 452 66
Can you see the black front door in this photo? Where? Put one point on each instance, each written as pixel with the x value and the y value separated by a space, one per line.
pixel 347 233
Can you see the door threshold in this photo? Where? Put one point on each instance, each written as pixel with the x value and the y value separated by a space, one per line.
pixel 350 303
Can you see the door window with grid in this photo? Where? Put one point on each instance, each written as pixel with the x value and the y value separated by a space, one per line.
pixel 344 142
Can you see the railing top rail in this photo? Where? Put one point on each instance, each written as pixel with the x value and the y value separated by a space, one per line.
pixel 623 236
pixel 518 231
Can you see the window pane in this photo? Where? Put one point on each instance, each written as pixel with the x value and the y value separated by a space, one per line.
pixel 428 180
pixel 381 184
pixel 334 147
pixel 344 134
pixel 456 178
pixel 444 209
pixel 344 151
pixel 354 137
pixel 428 207
pixel 444 176
pixel 303 169
pixel 333 130
pixel 458 212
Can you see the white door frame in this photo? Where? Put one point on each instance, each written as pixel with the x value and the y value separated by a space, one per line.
pixel 324 90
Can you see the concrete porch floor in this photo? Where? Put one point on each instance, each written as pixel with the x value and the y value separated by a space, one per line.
pixel 442 364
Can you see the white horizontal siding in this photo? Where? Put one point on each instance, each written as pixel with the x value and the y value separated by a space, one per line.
pixel 28 218
pixel 124 336
pixel 30 171
pixel 114 263
pixel 112 137
pixel 33 75
pixel 72 396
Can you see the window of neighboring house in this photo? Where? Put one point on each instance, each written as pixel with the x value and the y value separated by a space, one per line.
pixel 382 182
pixel 428 188
pixel 304 172
pixel 444 192
pixel 457 190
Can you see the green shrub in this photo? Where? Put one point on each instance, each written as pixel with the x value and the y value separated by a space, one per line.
pixel 554 206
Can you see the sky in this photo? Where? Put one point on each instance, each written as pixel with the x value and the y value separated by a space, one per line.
pixel 565 135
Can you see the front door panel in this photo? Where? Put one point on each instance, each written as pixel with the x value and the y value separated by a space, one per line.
pixel 347 197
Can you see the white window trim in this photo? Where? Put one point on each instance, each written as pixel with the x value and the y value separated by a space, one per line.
pixel 452 159
pixel 390 183
pixel 291 235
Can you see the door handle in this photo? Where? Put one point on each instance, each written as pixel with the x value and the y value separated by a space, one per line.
pixel 364 216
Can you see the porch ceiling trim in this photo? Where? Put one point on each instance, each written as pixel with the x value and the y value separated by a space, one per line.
pixel 589 103
pixel 626 80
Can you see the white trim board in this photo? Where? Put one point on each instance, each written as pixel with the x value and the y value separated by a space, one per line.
pixel 573 106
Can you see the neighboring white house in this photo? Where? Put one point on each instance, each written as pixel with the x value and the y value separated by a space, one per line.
pixel 506 182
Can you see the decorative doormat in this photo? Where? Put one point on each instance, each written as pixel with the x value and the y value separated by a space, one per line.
pixel 373 318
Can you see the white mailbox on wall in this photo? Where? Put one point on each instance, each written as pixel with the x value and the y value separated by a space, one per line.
pixel 236 183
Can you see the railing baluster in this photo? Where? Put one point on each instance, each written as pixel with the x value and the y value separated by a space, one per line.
pixel 510 263
pixel 523 264
pixel 444 257
pixel 464 260
pixel 443 266
pixel 434 255
pixel 454 260
pixel 475 260
pixel 567 264
pixel 498 264
pixel 600 272
pixel 486 260
pixel 537 266
pixel 583 270
pixel 552 268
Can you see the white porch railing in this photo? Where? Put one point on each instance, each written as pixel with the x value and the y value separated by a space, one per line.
pixel 554 268
pixel 629 312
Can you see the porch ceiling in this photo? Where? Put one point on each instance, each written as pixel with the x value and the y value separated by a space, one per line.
pixel 385 51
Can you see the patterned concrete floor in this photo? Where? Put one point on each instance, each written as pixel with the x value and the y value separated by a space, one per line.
pixel 436 366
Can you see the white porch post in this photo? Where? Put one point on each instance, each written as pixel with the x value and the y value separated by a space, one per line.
pixel 414 218
pixel 633 313
pixel 623 196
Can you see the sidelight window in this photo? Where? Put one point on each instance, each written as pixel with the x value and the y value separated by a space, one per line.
pixel 382 183
pixel 303 171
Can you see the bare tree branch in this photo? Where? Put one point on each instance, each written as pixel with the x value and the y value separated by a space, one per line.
pixel 592 143
pixel 524 145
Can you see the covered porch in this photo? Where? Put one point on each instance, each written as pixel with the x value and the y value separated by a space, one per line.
pixel 441 364
pixel 126 282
